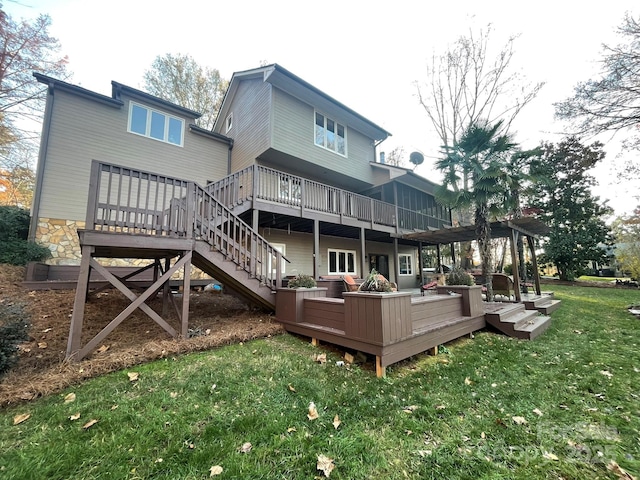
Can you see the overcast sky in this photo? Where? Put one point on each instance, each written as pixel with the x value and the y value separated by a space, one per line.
pixel 366 54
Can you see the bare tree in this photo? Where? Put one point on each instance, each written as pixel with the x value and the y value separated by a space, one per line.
pixel 396 157
pixel 466 87
pixel 610 103
pixel 25 47
pixel 181 80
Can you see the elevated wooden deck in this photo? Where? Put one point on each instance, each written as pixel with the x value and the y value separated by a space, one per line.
pixel 173 224
pixel 391 326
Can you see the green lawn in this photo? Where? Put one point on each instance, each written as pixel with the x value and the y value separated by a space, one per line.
pixel 564 406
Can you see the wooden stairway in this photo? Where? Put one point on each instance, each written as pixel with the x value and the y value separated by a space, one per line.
pixel 545 303
pixel 514 320
pixel 173 224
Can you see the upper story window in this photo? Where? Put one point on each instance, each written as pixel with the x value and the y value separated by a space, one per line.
pixel 229 122
pixel 155 124
pixel 330 134
pixel 406 264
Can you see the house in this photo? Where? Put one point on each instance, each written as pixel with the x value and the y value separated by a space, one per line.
pixel 287 182
pixel 296 165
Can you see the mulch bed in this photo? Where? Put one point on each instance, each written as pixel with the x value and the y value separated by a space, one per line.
pixel 215 319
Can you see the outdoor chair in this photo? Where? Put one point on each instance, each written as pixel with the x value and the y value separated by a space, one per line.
pixel 350 285
pixel 428 286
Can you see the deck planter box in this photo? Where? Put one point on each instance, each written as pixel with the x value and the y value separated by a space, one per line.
pixel 289 302
pixel 471 297
pixel 376 317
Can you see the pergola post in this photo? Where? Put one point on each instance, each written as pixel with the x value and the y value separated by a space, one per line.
pixel 514 264
pixel 534 265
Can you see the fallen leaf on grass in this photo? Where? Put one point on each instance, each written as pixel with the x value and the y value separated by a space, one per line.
pixel 113 407
pixel 313 413
pixel 549 456
pixel 215 470
pixel 246 447
pixel 291 388
pixel 336 422
pixel 42 345
pixel 70 398
pixel 133 376
pixel 411 409
pixel 159 460
pixel 291 429
pixel 519 420
pixel 321 358
pixel 325 464
pixel 606 373
pixel 538 412
pixel 102 349
pixel 619 471
pixel 467 381
pixel 23 417
pixel 89 424
pixel 440 407
pixel 173 394
pixel 75 416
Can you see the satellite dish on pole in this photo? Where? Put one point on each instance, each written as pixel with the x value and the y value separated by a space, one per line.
pixel 416 158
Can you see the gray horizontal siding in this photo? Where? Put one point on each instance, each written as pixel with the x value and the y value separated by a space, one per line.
pixel 299 250
pixel 251 123
pixel 82 130
pixel 293 133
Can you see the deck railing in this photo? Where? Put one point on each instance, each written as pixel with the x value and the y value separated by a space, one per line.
pixel 267 184
pixel 127 200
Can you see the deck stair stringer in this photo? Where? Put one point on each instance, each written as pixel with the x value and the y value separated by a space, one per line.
pixel 235 279
pixel 514 320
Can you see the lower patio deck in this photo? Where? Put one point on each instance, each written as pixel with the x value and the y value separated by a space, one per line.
pixel 392 326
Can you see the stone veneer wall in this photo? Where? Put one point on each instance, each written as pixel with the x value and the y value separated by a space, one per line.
pixel 61 238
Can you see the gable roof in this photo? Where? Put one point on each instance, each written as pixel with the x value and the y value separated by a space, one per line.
pixel 117 89
pixel 295 86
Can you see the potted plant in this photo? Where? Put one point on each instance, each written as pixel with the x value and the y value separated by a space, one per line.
pixel 462 282
pixel 302 281
pixel 376 283
pixel 459 276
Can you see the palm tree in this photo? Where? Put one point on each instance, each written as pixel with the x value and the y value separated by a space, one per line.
pixel 480 155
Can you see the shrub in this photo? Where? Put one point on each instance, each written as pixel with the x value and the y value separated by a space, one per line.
pixel 458 276
pixel 14 230
pixel 13 332
pixel 302 281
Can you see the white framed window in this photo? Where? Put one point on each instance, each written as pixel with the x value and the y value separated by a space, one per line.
pixel 154 124
pixel 229 122
pixel 330 134
pixel 406 263
pixel 342 262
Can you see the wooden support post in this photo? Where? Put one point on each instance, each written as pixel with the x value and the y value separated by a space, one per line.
pixel 534 265
pixel 316 249
pixel 363 247
pixel 381 371
pixel 396 276
pixel 514 263
pixel 186 293
pixel 315 342
pixel 453 253
pixel 166 289
pixel 420 266
pixel 433 351
pixel 75 330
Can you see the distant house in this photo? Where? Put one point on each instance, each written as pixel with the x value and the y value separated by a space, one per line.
pixel 295 164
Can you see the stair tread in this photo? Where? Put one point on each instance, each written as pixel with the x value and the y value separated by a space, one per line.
pixel 515 317
pixel 537 321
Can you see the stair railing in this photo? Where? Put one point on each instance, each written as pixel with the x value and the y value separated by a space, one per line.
pixel 126 200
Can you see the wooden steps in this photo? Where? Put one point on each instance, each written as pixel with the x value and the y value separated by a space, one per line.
pixel 514 320
pixel 545 303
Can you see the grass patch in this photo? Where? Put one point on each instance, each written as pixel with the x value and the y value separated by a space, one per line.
pixel 591 278
pixel 450 416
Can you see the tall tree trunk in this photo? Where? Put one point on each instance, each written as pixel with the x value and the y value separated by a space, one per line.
pixel 483 234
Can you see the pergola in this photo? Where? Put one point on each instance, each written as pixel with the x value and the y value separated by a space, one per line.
pixel 529 227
